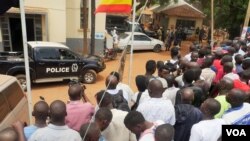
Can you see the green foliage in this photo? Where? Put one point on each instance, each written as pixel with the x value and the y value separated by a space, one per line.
pixel 229 14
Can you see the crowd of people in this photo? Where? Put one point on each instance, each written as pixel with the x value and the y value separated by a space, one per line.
pixel 189 99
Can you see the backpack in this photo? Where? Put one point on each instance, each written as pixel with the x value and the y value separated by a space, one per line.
pixel 172 67
pixel 119 102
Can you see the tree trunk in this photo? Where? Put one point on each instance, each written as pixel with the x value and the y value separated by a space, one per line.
pixel 122 64
pixel 92 47
pixel 85 27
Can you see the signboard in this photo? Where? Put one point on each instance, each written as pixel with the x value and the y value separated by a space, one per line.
pixel 99 35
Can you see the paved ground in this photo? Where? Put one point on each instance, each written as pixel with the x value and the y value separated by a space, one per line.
pixel 53 91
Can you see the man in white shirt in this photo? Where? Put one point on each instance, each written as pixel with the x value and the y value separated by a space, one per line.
pixel 156 108
pixel 209 129
pixel 239 112
pixel 137 124
pixel 228 70
pixel 111 84
pixel 207 73
pixel 57 130
pixel 170 92
pixel 116 131
pixel 191 49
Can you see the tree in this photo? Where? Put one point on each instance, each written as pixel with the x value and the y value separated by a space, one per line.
pixel 229 14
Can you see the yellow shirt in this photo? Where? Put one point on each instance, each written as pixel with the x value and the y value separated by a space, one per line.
pixel 224 105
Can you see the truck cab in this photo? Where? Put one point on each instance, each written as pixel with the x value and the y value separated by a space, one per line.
pixel 53 62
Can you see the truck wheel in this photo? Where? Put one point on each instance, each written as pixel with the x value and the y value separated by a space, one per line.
pixel 89 76
pixel 22 81
pixel 157 48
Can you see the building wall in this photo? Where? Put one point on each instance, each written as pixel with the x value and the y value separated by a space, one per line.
pixel 74 33
pixel 56 19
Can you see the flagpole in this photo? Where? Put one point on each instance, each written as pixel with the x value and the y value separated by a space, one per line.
pixel 132 44
pixel 26 58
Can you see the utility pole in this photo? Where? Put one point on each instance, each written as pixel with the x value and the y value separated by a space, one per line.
pixel 85 26
pixel 245 26
pixel 212 23
pixel 92 42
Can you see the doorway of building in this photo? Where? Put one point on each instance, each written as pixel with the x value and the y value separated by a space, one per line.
pixel 16 32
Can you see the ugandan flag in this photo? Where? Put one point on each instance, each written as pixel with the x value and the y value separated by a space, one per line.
pixel 114 6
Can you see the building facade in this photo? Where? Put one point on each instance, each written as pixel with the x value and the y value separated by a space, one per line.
pixel 48 20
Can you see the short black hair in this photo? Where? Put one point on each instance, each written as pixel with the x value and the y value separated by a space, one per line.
pixel 202 52
pixel 133 118
pixel 208 62
pixel 140 81
pixel 106 98
pixel 151 66
pixel 231 50
pixel 116 74
pixel 164 132
pixel 170 80
pixel 228 67
pixel 213 106
pixel 174 51
pixel 159 64
pixel 197 73
pixel 226 58
pixel 246 63
pixel 90 128
pixel 104 114
pixel 188 76
pixel 238 58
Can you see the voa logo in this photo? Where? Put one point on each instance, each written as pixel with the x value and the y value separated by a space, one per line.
pixel 236 132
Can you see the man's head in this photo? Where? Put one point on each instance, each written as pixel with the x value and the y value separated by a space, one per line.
pixel 245 76
pixel 208 62
pixel 90 131
pixel 183 63
pixel 57 112
pixel 159 64
pixel 239 59
pixel 225 85
pixel 192 48
pixel 226 58
pixel 246 63
pixel 150 67
pixel 197 73
pixel 174 52
pixel 236 97
pixel 194 56
pixel 8 134
pixel 155 88
pixel 188 76
pixel 187 96
pixel 116 74
pixel 135 121
pixel 140 81
pixel 41 111
pixel 164 132
pixel 75 92
pixel 103 118
pixel 228 67
pixel 170 80
pixel 104 99
pixel 202 52
pixel 111 82
pixel 231 51
pixel 210 107
pixel 163 71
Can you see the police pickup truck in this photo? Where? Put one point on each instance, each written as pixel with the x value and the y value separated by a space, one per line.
pixel 51 62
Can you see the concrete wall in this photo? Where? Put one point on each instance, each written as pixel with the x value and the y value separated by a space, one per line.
pixel 74 33
pixel 56 19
